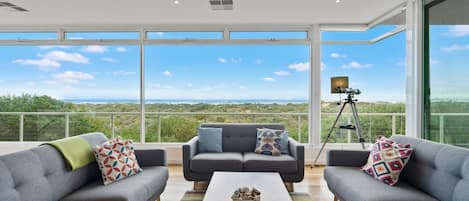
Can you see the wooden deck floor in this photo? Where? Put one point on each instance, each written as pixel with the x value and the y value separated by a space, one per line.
pixel 313 184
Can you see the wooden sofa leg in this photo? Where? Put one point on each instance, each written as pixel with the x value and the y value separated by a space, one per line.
pixel 289 186
pixel 158 199
pixel 200 186
pixel 335 198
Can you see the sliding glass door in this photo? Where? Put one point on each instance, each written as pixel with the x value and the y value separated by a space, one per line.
pixel 446 90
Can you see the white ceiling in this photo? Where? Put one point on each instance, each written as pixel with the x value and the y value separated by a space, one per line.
pixel 194 12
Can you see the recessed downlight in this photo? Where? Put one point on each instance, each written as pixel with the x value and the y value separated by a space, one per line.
pixel 337 1
pixel 176 2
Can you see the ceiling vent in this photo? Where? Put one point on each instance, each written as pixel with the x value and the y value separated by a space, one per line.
pixel 221 4
pixel 11 7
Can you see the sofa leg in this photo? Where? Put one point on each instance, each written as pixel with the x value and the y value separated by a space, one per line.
pixel 289 187
pixel 200 186
pixel 335 198
pixel 158 199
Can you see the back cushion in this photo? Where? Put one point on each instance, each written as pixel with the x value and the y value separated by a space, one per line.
pixel 41 174
pixel 437 169
pixel 241 137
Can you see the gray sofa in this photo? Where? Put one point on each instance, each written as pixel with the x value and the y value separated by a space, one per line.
pixel 41 174
pixel 238 143
pixel 434 172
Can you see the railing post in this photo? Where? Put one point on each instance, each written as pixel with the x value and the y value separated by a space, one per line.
pixel 67 125
pixel 349 132
pixel 21 127
pixel 393 129
pixel 113 131
pixel 299 128
pixel 442 129
pixel 159 128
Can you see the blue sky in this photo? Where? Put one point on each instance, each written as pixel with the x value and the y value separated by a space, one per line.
pixel 225 71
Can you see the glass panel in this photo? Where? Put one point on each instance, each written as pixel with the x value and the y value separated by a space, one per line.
pixel 28 36
pixel 366 35
pixel 101 35
pixel 377 70
pixel 93 88
pixel 224 83
pixel 447 91
pixel 268 35
pixel 185 35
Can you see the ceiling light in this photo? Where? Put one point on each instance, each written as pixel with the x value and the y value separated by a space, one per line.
pixel 337 1
pixel 176 2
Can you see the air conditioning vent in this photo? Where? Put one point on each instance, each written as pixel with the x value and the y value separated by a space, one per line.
pixel 221 4
pixel 12 7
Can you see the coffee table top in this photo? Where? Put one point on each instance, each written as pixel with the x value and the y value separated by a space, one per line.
pixel 223 184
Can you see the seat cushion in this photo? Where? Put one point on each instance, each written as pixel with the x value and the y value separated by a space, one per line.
pixel 141 187
pixel 351 184
pixel 209 162
pixel 265 163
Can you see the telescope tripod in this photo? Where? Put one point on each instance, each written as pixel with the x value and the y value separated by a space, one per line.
pixel 349 100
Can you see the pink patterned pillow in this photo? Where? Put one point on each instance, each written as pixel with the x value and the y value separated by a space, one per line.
pixel 116 159
pixel 387 159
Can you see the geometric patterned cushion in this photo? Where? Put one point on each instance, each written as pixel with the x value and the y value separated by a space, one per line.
pixel 387 160
pixel 116 160
pixel 268 142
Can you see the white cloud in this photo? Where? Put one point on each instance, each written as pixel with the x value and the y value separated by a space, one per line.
pixel 167 73
pixel 70 77
pixel 458 30
pixel 455 47
pixel 282 73
pixel 222 60
pixel 121 49
pixel 259 61
pixel 65 56
pixel 336 55
pixel 94 49
pixel 109 59
pixel 355 65
pixel 302 66
pixel 269 79
pixel 157 34
pixel 42 64
pixel 243 87
pixel 234 60
pixel 434 61
pixel 323 66
pixel 123 73
pixel 47 47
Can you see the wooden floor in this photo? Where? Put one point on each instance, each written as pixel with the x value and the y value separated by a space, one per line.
pixel 313 184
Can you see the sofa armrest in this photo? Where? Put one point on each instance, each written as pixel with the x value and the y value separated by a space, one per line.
pixel 151 157
pixel 189 150
pixel 296 149
pixel 351 158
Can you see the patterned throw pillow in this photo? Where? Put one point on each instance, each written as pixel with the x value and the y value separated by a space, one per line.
pixel 387 159
pixel 268 142
pixel 116 159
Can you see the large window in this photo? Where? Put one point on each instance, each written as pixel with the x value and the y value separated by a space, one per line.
pixel 49 92
pixel 446 88
pixel 378 70
pixel 190 84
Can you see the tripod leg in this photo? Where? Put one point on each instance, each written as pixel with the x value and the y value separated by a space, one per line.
pixel 357 124
pixel 329 134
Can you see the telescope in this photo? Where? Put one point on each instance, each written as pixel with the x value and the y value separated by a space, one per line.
pixel 339 85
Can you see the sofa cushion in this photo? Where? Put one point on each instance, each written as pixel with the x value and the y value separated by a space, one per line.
pixel 268 142
pixel 209 162
pixel 264 163
pixel 352 184
pixel 240 137
pixel 210 140
pixel 387 159
pixel 140 187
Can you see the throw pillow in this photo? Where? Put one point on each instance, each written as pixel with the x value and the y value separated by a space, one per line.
pixel 268 142
pixel 284 149
pixel 387 160
pixel 116 160
pixel 210 140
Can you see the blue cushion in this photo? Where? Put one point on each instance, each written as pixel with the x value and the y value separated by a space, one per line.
pixel 284 143
pixel 210 140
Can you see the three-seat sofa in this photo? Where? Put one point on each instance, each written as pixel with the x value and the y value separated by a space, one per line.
pixel 41 174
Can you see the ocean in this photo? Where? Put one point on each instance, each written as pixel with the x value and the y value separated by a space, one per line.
pixel 187 101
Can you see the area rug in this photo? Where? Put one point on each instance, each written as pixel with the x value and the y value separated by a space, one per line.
pixel 199 196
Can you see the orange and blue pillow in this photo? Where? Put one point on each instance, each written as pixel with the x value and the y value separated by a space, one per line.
pixel 116 160
pixel 268 142
pixel 387 160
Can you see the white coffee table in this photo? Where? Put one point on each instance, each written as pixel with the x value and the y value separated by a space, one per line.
pixel 223 184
